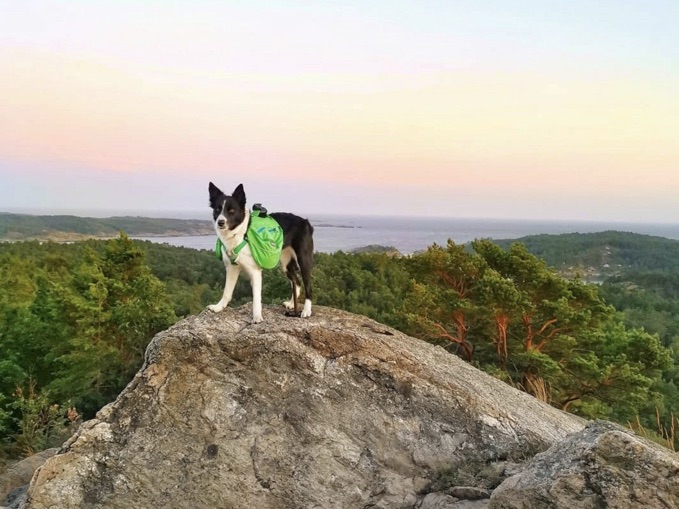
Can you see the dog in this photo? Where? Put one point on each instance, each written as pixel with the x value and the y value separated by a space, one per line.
pixel 231 221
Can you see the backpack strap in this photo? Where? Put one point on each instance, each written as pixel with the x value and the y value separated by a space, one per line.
pixel 220 248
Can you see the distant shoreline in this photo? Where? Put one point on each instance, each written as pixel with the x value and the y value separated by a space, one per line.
pixel 68 228
pixel 323 225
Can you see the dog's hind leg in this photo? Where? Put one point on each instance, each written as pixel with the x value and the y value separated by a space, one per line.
pixel 305 269
pixel 294 283
pixel 291 273
pixel 290 267
pixel 295 294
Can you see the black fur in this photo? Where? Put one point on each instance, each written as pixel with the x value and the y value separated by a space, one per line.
pixel 298 235
pixel 232 207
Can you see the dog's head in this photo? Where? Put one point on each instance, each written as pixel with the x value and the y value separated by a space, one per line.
pixel 227 211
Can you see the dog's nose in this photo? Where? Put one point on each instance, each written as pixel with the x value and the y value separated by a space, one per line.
pixel 221 223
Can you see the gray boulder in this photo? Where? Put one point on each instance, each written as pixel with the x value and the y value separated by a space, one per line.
pixel 605 466
pixel 336 411
pixel 14 480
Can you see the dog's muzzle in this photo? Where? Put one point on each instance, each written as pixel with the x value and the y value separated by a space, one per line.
pixel 221 223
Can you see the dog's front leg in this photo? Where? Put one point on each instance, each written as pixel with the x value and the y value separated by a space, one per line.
pixel 256 282
pixel 232 273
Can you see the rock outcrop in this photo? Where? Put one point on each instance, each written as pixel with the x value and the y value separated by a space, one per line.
pixel 604 466
pixel 336 411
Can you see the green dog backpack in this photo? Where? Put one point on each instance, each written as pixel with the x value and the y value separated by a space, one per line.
pixel 265 237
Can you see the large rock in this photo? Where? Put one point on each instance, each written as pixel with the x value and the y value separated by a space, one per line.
pixel 603 467
pixel 336 411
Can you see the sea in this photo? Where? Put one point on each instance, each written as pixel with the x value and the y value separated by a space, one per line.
pixel 410 235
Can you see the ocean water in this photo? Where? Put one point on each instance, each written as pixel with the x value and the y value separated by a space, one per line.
pixel 409 235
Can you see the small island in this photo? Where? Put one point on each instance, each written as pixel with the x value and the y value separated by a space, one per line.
pixel 376 248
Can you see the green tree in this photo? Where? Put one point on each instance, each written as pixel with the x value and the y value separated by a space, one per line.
pixel 372 284
pixel 115 307
pixel 440 305
pixel 611 372
pixel 552 337
pixel 503 304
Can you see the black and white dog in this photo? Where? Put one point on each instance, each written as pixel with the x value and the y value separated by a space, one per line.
pixel 231 220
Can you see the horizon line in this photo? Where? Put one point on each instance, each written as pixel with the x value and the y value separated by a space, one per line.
pixel 114 213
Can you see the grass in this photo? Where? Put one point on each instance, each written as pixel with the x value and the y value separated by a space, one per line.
pixel 663 436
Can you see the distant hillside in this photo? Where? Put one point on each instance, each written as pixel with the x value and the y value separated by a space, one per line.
pixel 604 253
pixel 66 228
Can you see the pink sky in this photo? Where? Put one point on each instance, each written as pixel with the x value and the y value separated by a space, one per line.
pixel 562 113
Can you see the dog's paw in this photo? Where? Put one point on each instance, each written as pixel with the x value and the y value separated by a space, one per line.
pixel 215 308
pixel 306 312
pixel 288 304
pixel 257 319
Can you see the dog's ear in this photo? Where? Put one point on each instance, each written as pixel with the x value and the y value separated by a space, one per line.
pixel 215 193
pixel 239 195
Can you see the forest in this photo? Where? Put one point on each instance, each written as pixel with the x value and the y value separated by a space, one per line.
pixel 75 319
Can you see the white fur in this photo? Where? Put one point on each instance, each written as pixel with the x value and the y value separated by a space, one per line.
pixel 306 312
pixel 246 262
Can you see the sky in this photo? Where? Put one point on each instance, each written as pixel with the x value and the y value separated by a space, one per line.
pixel 529 109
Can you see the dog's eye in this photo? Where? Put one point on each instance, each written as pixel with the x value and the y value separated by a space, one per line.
pixel 230 211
